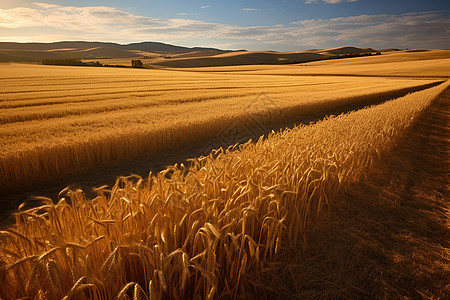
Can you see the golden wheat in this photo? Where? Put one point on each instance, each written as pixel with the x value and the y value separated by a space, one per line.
pixel 57 120
pixel 206 232
pixel 427 63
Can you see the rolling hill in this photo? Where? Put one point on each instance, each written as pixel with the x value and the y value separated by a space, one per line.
pixel 143 46
pixel 161 55
pixel 240 58
pixel 19 55
pixel 34 52
pixel 258 57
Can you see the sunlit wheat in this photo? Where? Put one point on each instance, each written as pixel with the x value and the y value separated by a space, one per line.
pixel 204 232
pixel 60 120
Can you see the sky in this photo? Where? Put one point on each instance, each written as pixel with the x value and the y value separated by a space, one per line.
pixel 280 25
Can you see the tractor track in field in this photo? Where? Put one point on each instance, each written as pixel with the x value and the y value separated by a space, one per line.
pixel 107 174
pixel 387 237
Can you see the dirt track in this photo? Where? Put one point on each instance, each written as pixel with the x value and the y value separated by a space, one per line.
pixel 389 237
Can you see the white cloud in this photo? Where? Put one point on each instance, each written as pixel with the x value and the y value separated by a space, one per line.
pixel 206 6
pixel 72 18
pixel 47 22
pixel 328 1
pixel 251 9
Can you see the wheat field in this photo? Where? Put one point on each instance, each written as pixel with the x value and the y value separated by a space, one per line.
pixel 207 231
pixel 419 64
pixel 59 120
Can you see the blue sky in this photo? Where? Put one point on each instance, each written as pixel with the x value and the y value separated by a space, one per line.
pixel 282 25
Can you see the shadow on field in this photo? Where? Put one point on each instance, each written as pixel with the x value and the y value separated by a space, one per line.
pixel 241 131
pixel 387 237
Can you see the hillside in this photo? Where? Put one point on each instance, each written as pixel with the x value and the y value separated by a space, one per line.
pixel 257 57
pixel 143 46
pixel 162 55
pixel 8 55
pixel 342 51
pixel 35 52
pixel 432 63
pixel 240 58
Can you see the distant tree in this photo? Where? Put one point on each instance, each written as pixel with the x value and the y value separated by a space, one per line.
pixel 71 62
pixel 136 63
pixel 63 62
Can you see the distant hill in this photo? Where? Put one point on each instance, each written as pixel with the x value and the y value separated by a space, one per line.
pixel 258 57
pixel 163 55
pixel 29 52
pixel 240 58
pixel 143 46
pixel 161 47
pixel 346 50
pixel 20 55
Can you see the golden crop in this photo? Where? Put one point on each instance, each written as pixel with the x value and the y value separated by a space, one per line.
pixel 205 232
pixel 58 120
pixel 420 64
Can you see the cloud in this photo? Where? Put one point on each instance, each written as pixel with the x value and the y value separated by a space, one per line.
pixel 49 22
pixel 206 6
pixel 328 1
pixel 251 9
pixel 72 18
pixel 421 29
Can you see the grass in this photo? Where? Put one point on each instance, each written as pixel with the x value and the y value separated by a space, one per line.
pixel 206 232
pixel 50 126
